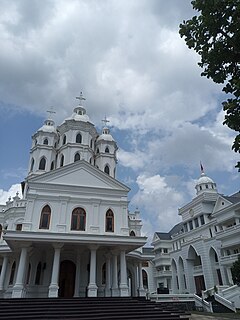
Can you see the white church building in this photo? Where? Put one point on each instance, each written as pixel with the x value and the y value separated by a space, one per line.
pixel 71 234
pixel 198 253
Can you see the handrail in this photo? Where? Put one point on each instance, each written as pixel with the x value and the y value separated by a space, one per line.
pixel 229 304
pixel 207 306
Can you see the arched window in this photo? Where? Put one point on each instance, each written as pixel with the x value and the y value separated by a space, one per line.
pixel 64 139
pixel 38 273
pixel 19 227
pixel 0 231
pixel 97 150
pixel 77 157
pixel 106 169
pixel 45 218
pixel 91 143
pixel 78 219
pixel 145 279
pixel 12 273
pixel 45 141
pixel 52 165
pixel 106 150
pixel 79 138
pixel 109 221
pixel 42 164
pixel 62 160
pixel 32 164
pixel 132 234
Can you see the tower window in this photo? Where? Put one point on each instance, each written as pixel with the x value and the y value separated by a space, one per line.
pixel 64 139
pixel 97 150
pixel 106 169
pixel 42 164
pixel 45 218
pixel 106 150
pixel 91 143
pixel 77 157
pixel 79 138
pixel 32 164
pixel 78 219
pixel 132 234
pixel 45 141
pixel 52 165
pixel 62 160
pixel 109 221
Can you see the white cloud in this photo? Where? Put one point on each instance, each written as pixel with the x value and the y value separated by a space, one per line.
pixel 4 195
pixel 159 200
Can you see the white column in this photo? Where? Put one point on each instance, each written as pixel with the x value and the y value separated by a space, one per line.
pixel 115 290
pixel 92 287
pixel 3 272
pixel 229 275
pixel 77 278
pixel 53 288
pixel 18 289
pixel 108 276
pixel 141 291
pixel 123 275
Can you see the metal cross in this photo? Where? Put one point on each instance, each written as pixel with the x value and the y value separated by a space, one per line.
pixel 50 112
pixel 105 121
pixel 81 98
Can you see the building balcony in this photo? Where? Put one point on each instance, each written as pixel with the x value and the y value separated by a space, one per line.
pixel 230 232
pixel 163 273
pixel 229 260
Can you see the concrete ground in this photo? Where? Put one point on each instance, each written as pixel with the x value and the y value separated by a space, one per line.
pixel 207 316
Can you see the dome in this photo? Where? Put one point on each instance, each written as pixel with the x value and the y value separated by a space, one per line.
pixel 49 126
pixel 105 135
pixel 205 184
pixel 79 114
pixel 204 179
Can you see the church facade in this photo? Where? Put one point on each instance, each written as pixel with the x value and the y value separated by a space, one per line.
pixel 71 234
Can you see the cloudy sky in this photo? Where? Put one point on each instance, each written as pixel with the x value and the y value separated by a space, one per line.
pixel 130 62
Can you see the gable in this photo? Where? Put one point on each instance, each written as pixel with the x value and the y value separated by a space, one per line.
pixel 221 203
pixel 79 174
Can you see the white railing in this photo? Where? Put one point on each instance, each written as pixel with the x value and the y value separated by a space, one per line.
pixel 203 304
pixel 229 304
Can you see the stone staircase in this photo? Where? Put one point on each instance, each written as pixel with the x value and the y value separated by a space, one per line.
pixel 218 307
pixel 88 309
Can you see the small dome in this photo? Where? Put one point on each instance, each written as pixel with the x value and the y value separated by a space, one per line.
pixel 105 135
pixel 204 179
pixel 205 184
pixel 79 114
pixel 49 126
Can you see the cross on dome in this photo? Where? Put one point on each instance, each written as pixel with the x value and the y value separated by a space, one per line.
pixel 105 121
pixel 51 112
pixel 81 98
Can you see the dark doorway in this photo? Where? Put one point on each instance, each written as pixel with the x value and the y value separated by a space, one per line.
pixel 67 279
pixel 200 284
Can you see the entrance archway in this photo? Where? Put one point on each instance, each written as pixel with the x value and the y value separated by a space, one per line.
pixel 67 279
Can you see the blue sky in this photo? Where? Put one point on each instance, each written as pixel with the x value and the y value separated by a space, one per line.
pixel 131 64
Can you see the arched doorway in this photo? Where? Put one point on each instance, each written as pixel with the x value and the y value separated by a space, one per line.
pixel 67 279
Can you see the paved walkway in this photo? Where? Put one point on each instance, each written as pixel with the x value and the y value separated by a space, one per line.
pixel 215 317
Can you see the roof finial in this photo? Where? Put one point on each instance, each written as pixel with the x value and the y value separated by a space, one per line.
pixel 105 121
pixel 201 167
pixel 50 112
pixel 81 98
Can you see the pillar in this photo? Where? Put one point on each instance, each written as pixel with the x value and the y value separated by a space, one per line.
pixel 108 276
pixel 141 290
pixel 53 288
pixel 123 287
pixel 92 286
pixel 115 290
pixel 3 272
pixel 77 277
pixel 19 289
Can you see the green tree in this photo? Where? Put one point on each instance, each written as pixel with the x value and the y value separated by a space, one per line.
pixel 236 271
pixel 215 35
